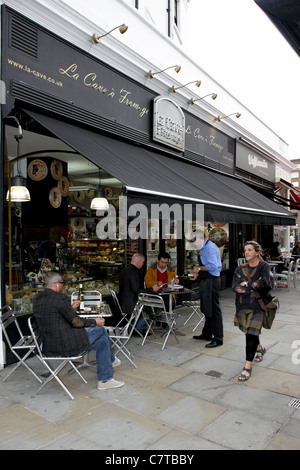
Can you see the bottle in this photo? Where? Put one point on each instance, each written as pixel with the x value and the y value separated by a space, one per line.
pixel 81 297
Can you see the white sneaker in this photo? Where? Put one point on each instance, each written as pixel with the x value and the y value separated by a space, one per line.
pixel 112 383
pixel 116 362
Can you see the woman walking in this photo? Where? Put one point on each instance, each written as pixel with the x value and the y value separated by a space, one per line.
pixel 251 281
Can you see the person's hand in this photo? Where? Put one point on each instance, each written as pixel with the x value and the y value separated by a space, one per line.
pixel 76 304
pixel 195 273
pixel 157 288
pixel 100 321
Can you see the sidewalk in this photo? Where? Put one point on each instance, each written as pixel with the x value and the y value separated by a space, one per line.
pixel 186 397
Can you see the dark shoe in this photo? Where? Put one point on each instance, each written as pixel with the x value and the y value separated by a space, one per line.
pixel 243 377
pixel 202 337
pixel 260 354
pixel 214 344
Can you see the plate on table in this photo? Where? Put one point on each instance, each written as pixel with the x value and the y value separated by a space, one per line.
pixel 175 286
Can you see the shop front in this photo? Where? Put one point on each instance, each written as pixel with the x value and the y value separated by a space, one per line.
pixel 73 124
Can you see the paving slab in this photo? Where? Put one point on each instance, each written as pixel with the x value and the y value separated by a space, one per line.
pixel 23 429
pixel 191 414
pixel 232 430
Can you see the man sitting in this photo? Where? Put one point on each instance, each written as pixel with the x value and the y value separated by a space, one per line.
pixel 131 284
pixel 64 333
pixel 160 272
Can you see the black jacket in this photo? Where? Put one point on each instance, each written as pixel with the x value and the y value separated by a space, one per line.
pixel 62 332
pixel 131 284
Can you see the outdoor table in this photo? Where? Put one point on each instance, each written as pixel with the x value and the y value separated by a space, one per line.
pixel 97 311
pixel 175 291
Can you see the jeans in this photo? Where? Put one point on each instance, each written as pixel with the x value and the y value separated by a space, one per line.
pixel 100 342
pixel 141 324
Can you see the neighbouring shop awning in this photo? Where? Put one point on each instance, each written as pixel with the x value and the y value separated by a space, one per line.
pixel 153 176
pixel 285 15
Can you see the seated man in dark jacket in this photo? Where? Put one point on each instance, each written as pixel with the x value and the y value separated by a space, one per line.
pixel 131 284
pixel 64 333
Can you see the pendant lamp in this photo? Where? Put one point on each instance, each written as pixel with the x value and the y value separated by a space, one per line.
pixel 99 202
pixel 18 190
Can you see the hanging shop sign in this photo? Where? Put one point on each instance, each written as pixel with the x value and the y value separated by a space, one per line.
pixel 254 162
pixel 168 123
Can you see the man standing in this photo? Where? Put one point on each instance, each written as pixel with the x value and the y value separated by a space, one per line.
pixel 64 333
pixel 209 276
pixel 131 284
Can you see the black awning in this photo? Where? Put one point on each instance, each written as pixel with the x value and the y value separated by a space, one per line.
pixel 285 15
pixel 151 175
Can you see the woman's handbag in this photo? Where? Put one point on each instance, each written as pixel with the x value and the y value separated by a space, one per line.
pixel 269 305
pixel 269 311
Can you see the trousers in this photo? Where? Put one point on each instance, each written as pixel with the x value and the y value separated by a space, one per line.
pixel 100 342
pixel 252 341
pixel 210 306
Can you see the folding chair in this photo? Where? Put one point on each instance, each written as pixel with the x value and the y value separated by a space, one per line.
pixel 45 360
pixel 91 297
pixel 284 278
pixel 196 310
pixel 121 335
pixel 10 327
pixel 124 316
pixel 159 314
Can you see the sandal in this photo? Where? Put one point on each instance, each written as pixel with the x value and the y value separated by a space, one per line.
pixel 243 377
pixel 259 354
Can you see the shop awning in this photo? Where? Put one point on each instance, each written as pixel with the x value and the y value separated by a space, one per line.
pixel 152 176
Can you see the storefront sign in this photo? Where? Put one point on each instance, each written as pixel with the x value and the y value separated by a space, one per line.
pixel 204 139
pixel 254 162
pixel 71 77
pixel 168 123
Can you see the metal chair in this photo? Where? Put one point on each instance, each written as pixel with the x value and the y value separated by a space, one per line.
pixel 296 271
pixel 11 327
pixel 121 335
pixel 47 360
pixel 91 297
pixel 241 261
pixel 284 278
pixel 196 310
pixel 156 306
pixel 124 316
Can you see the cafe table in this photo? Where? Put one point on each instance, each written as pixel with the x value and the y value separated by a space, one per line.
pixel 176 290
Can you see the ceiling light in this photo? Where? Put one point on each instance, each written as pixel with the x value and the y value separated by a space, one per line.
pixel 99 202
pixel 18 191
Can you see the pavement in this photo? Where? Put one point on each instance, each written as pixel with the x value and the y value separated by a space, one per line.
pixel 184 398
